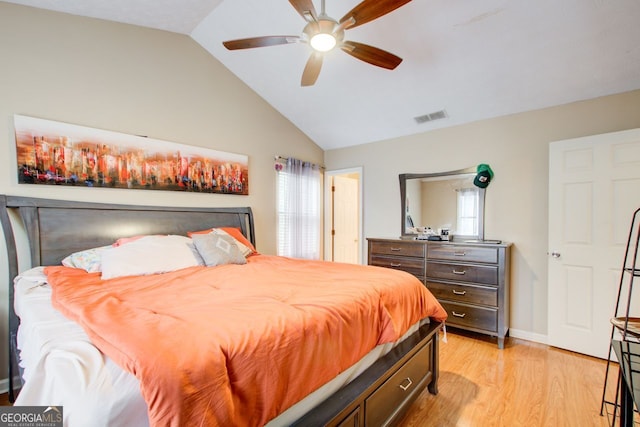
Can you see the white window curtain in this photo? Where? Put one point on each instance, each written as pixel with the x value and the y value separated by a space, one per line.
pixel 298 204
pixel 468 206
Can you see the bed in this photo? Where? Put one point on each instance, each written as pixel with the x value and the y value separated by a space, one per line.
pixel 375 389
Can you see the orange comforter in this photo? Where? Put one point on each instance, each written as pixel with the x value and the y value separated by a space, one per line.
pixel 239 344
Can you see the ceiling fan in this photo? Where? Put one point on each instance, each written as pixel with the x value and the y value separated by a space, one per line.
pixel 324 33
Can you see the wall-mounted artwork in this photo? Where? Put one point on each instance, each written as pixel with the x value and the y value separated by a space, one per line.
pixel 57 153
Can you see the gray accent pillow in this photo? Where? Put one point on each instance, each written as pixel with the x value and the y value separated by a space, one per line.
pixel 216 249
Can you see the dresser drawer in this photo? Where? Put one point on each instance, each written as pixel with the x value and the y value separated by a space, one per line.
pixel 397 388
pixel 398 249
pixel 481 295
pixel 463 253
pixel 471 316
pixel 414 266
pixel 484 274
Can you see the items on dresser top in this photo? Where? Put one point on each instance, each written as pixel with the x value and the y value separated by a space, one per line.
pixel 471 280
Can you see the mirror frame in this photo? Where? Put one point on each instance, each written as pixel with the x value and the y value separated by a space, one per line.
pixel 403 197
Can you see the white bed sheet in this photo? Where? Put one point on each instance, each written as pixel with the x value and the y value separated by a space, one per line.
pixel 62 367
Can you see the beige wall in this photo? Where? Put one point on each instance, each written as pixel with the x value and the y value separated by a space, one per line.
pixel 516 202
pixel 136 81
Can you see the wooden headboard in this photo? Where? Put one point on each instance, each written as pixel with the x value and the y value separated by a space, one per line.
pixel 57 228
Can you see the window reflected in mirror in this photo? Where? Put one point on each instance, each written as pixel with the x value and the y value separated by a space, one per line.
pixel 467 214
pixel 442 204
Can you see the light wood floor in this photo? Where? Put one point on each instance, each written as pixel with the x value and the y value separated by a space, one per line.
pixel 526 384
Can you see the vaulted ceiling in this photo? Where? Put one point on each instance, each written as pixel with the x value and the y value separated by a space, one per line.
pixel 473 59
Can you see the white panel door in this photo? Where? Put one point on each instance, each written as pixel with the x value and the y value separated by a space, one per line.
pixel 345 219
pixel 594 188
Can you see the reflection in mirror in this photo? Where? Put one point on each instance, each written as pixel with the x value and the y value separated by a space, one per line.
pixel 443 205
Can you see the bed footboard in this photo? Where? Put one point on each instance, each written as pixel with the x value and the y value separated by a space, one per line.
pixel 382 394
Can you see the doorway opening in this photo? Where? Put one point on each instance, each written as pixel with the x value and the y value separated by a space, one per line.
pixel 343 216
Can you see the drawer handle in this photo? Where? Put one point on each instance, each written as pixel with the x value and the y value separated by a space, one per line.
pixel 405 387
pixel 395 249
pixel 459 292
pixel 459 273
pixel 396 265
pixel 459 253
pixel 458 314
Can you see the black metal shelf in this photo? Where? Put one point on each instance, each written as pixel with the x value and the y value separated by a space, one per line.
pixel 634 271
pixel 627 348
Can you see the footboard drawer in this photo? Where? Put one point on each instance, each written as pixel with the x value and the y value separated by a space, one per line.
pixel 393 392
pixel 382 394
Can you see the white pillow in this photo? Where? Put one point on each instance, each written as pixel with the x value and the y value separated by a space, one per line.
pixel 88 260
pixel 149 255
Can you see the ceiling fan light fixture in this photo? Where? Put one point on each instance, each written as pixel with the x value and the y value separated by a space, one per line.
pixel 323 42
pixel 324 33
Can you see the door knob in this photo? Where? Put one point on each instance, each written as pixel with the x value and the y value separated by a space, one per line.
pixel 555 254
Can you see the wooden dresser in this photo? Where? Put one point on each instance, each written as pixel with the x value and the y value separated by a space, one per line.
pixel 471 280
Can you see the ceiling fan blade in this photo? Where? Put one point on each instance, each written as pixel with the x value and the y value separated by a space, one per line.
pixel 305 9
pixel 259 42
pixel 368 10
pixel 372 55
pixel 312 69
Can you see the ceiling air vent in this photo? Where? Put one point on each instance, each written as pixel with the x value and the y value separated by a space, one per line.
pixel 442 114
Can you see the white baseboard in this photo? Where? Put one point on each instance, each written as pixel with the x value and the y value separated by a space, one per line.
pixel 529 336
pixel 4 384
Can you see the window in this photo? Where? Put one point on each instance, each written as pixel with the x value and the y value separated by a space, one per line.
pixel 298 206
pixel 468 205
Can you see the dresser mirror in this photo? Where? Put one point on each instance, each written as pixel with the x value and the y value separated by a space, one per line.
pixel 442 205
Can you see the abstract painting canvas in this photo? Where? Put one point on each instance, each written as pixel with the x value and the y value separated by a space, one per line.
pixel 57 153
